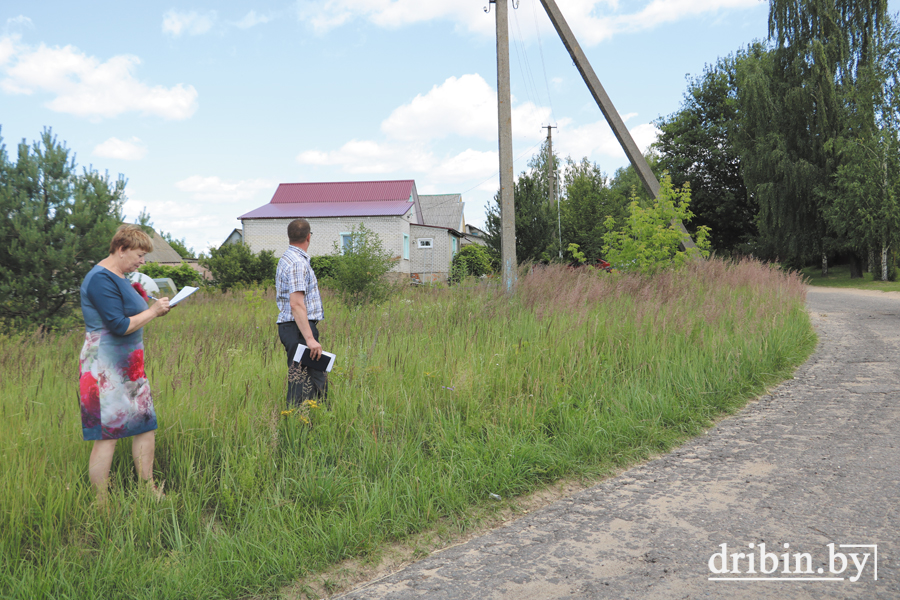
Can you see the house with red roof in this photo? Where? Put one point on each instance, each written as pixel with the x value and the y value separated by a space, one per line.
pixel 423 232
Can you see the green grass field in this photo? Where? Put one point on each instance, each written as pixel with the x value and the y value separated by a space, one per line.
pixel 839 276
pixel 439 399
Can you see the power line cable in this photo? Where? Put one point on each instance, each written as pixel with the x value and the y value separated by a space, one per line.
pixel 537 32
pixel 527 73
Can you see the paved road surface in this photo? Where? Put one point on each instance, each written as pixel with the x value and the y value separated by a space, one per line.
pixel 816 462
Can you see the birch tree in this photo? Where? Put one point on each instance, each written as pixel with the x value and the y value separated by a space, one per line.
pixel 793 105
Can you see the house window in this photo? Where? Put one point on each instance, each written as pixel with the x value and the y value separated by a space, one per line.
pixel 405 246
pixel 426 242
pixel 346 240
pixel 453 242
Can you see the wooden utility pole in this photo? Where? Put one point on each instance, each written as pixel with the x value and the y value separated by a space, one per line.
pixel 606 106
pixel 551 177
pixel 507 182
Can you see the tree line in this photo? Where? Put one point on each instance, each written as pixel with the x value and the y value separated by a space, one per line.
pixel 789 147
pixel 587 197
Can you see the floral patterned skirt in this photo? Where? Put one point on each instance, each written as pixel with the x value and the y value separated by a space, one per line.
pixel 113 389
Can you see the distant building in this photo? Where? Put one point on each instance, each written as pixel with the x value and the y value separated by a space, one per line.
pixel 235 237
pixel 163 253
pixel 475 236
pixel 422 232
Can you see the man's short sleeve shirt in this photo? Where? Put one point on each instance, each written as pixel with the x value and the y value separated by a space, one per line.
pixel 295 274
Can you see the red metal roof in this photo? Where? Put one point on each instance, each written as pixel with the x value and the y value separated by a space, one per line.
pixel 346 191
pixel 308 210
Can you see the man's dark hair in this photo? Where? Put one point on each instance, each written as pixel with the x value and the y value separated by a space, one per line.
pixel 298 229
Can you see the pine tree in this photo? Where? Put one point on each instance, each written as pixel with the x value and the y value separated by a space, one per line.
pixel 535 218
pixel 587 203
pixel 57 226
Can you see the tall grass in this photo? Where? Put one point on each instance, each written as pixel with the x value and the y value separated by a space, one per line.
pixel 439 399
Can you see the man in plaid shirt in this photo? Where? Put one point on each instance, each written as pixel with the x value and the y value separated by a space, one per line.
pixel 300 310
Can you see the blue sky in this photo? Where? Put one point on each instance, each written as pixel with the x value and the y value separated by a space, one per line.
pixel 206 106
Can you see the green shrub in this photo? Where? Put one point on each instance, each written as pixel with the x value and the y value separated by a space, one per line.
pixel 324 266
pixel 471 261
pixel 577 255
pixel 361 268
pixel 182 275
pixel 650 238
pixel 236 265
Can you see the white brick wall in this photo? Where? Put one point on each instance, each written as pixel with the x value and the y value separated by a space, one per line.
pixel 271 234
pixel 433 264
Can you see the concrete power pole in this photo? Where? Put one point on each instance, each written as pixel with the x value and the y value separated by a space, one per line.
pixel 606 106
pixel 551 177
pixel 507 182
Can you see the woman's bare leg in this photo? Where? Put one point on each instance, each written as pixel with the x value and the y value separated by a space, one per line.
pixel 98 467
pixel 143 447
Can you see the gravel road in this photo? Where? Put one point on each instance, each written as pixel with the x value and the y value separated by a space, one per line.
pixel 815 462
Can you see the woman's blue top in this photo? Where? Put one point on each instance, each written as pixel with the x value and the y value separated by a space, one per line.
pixel 108 301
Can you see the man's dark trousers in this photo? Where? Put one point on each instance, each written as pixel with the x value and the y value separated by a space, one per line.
pixel 303 383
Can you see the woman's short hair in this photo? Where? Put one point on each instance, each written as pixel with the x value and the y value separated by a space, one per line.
pixel 130 236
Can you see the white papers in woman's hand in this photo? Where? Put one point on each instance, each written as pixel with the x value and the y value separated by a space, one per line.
pixel 184 293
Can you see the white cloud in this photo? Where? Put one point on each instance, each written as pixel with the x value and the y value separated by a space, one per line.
pixel 645 135
pixel 21 21
pixel 593 29
pixel 215 189
pixel 591 20
pixel 365 156
pixel 176 23
pixel 194 221
pixel 133 149
pixel 84 86
pixel 596 140
pixel 465 107
pixel 251 19
pixel 328 14
pixel 8 45
pixel 465 166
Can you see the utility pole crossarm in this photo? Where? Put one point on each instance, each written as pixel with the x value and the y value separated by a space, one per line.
pixel 606 106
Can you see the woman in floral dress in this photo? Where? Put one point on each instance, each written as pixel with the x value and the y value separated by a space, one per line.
pixel 113 387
